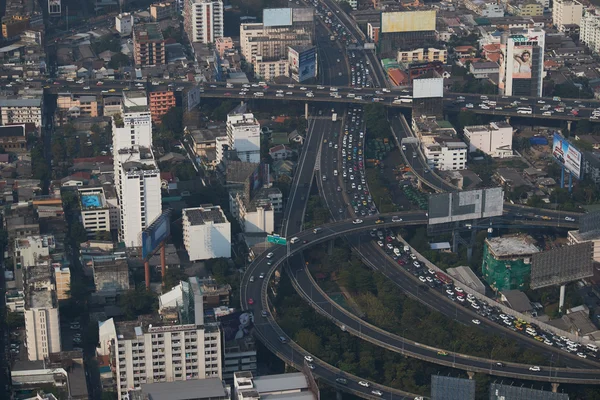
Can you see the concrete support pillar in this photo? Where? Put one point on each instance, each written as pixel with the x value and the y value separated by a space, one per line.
pixel 330 247
pixel 163 261
pixel 306 111
pixel 561 301
pixel 471 374
pixel 508 120
pixel 555 387
pixel 569 126
pixel 147 274
pixel 338 395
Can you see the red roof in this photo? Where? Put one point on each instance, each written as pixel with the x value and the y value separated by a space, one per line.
pixel 397 76
pixel 167 176
pixel 97 159
pixel 281 119
pixel 81 175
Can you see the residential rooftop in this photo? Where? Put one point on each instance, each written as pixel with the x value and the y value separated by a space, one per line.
pixel 149 32
pixel 203 215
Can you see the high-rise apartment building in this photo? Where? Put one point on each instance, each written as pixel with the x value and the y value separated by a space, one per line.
pixel 566 12
pixel 124 24
pixel 148 45
pixel 95 210
pixel 151 349
pixel 589 30
pixel 203 20
pixel 522 63
pixel 42 322
pixel 14 111
pixel 139 192
pixel 243 134
pixel 206 233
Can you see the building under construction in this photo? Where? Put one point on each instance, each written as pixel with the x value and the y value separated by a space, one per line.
pixel 507 262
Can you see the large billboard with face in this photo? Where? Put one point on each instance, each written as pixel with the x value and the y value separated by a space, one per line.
pixel 408 21
pixel 566 155
pixel 237 325
pixel 521 62
pixel 502 69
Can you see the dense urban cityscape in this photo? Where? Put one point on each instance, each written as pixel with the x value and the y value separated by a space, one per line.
pixel 300 200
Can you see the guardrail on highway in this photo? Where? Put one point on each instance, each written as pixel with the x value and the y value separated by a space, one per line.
pixel 505 309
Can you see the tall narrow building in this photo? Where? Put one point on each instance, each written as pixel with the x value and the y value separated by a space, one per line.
pixel 137 177
pixel 243 134
pixel 203 20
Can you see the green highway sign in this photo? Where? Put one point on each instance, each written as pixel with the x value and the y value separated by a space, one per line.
pixel 276 239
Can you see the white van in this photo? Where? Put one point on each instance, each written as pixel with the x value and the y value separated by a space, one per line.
pixel 591 347
pixel 397 251
pixel 531 331
pixel 259 94
pixel 335 172
pixel 294 240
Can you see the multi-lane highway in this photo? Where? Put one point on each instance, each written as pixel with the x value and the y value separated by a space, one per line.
pixel 254 297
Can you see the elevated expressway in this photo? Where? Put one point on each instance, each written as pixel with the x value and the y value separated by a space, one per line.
pixel 271 332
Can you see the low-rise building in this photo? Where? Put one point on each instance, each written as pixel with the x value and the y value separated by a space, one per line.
pixel 13 26
pixel 77 105
pixel 223 44
pixel 124 24
pixel 111 275
pixel 494 139
pixel 421 55
pixel 203 389
pixel 268 70
pixel 163 10
pixel 62 279
pixel 444 153
pixel 13 138
pixel 280 152
pixel 246 386
pixel 484 69
pixel 21 111
pixel 529 8
pixel 577 237
pixel 206 233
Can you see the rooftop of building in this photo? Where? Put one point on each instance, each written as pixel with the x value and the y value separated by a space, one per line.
pixel 492 126
pixel 40 299
pixel 513 245
pixel 281 382
pixel 207 134
pixel 149 32
pixel 92 201
pixel 129 330
pixel 12 131
pixel 197 389
pixel 240 171
pixel 585 236
pixel 203 214
pixel 109 266
pixel 20 102
pixel 517 300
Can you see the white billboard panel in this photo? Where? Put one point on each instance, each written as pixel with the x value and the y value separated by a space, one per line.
pixel 408 21
pixel 428 88
pixel 277 17
pixel 306 14
pixel 466 205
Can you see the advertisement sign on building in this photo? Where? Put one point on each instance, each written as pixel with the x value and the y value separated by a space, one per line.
pixel 277 17
pixel 192 98
pixel 521 62
pixel 237 325
pixel 54 7
pixel 158 231
pixel 566 155
pixel 465 205
pixel 408 21
pixel 303 63
pixel 428 88
pixel 304 14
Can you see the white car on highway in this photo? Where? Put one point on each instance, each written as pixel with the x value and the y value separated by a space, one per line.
pixel 364 384
pixel 357 221
pixel 535 368
pixel 308 358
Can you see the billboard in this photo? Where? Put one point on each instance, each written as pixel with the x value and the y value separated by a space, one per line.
pixel 192 98
pixel 566 155
pixel 303 14
pixel 589 222
pixel 237 325
pixel 277 17
pixel 502 66
pixel 303 63
pixel 521 62
pixel 428 88
pixel 407 21
pixel 499 391
pixel 466 205
pixel 155 233
pixel 451 388
pixel 562 265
